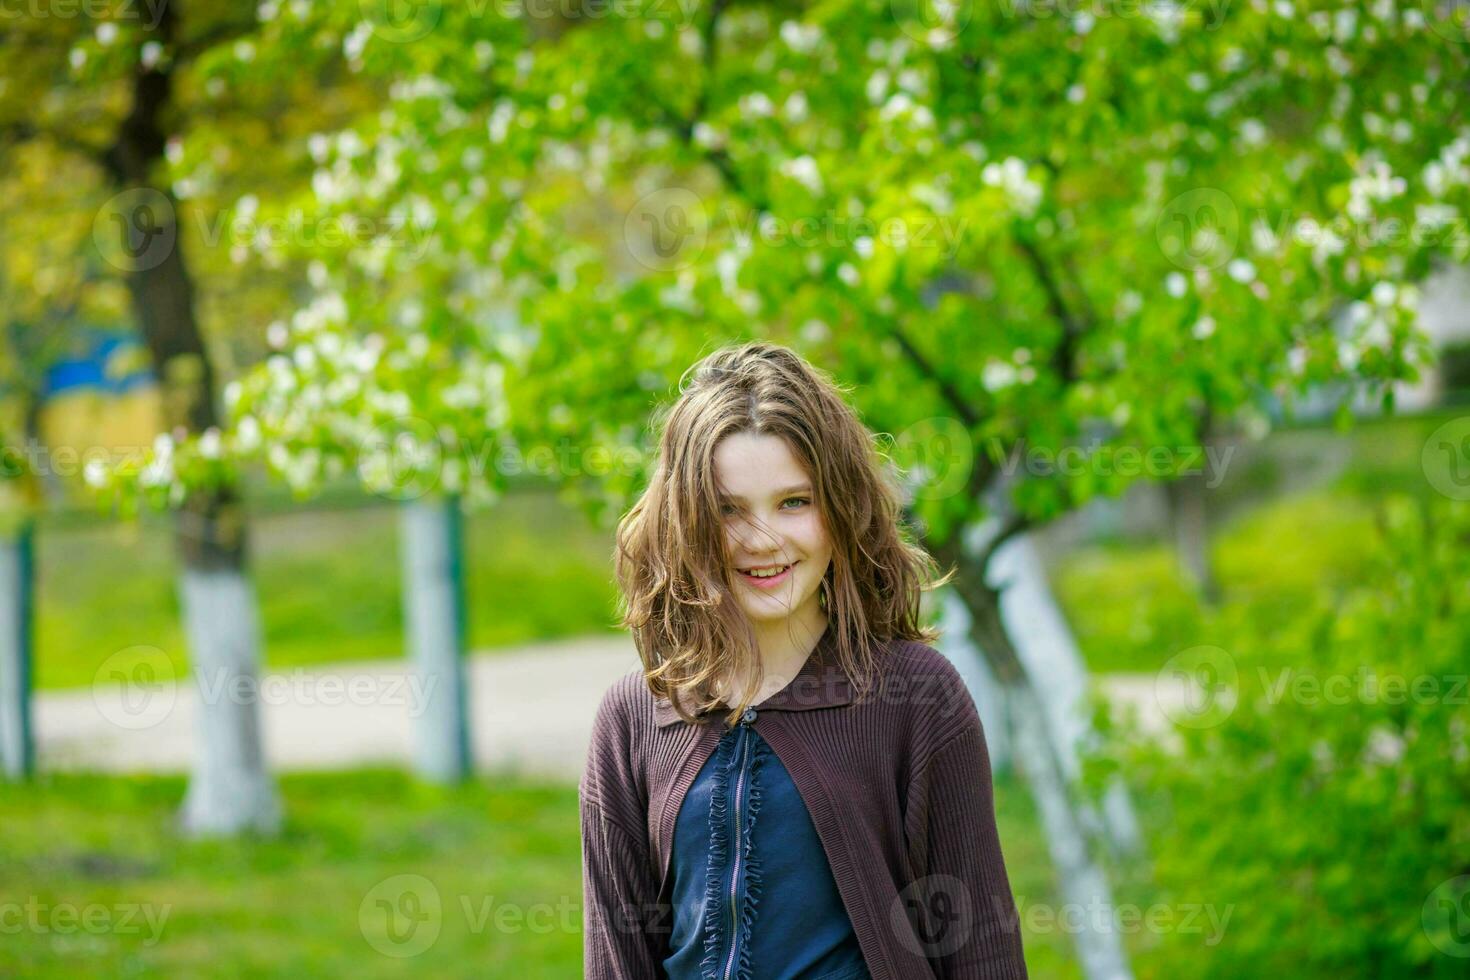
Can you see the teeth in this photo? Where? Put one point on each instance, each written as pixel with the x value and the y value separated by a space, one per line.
pixel 767 572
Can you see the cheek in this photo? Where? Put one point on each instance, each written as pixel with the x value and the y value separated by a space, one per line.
pixel 812 537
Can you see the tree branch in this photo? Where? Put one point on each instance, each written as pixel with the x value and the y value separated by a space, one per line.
pixel 1063 358
pixel 1011 526
pixel 952 396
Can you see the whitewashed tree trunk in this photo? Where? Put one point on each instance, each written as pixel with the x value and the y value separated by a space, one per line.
pixel 434 608
pixel 1037 747
pixel 230 790
pixel 17 746
pixel 1046 647
pixel 1084 884
pixel 960 650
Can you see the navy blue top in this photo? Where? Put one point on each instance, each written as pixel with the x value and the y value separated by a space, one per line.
pixel 753 893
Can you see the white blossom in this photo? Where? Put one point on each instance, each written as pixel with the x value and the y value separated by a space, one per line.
pixel 1378 183
pixel 997 375
pixel 801 38
pixel 804 171
pixel 877 86
pixel 1296 359
pixel 757 105
pixel 1241 270
pixel 1010 175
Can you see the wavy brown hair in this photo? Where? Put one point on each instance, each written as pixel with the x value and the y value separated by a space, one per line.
pixel 672 560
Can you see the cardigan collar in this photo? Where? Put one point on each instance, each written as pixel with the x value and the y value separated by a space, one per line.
pixel 821 683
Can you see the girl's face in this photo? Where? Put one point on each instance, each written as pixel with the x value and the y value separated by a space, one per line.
pixel 771 526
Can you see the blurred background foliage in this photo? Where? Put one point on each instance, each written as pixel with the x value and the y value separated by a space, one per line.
pixel 519 226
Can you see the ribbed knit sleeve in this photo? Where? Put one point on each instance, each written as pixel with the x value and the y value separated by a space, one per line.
pixel 623 932
pixel 966 915
pixel 619 895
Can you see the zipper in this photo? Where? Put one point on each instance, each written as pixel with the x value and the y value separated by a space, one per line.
pixel 738 849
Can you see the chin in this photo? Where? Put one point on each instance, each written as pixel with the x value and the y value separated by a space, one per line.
pixel 773 608
pixel 772 613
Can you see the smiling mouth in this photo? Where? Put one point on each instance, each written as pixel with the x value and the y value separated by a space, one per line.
pixel 769 575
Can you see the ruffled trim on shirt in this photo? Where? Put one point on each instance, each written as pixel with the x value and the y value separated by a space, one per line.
pixel 752 861
pixel 715 893
pixel 714 898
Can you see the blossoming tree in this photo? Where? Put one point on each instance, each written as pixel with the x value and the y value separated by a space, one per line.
pixel 1017 232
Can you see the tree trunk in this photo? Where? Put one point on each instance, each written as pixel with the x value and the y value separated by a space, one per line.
pixel 1046 648
pixel 231 790
pixel 1068 821
pixel 979 678
pixel 17 576
pixel 1190 519
pixel 433 577
pixel 1084 883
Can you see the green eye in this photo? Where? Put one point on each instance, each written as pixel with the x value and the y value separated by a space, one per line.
pixel 795 500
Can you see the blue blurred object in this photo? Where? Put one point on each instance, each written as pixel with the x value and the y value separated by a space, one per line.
pixel 111 361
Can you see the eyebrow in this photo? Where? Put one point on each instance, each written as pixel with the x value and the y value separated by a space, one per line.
pixel 783 492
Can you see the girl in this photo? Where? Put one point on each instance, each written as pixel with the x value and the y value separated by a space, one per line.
pixel 794 784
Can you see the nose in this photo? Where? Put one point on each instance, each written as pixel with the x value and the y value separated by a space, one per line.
pixel 756 538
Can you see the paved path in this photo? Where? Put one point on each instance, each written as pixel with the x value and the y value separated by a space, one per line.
pixel 532 713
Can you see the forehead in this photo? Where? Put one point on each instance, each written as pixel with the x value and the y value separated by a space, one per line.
pixel 755 465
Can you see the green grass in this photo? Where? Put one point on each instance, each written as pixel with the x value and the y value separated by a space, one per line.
pixel 293 906
pixel 1129 605
pixel 1131 612
pixel 307 903
pixel 328 583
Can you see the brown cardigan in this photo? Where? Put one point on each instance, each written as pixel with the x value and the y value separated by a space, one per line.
pixel 897 784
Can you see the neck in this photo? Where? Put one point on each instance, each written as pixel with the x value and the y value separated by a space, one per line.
pixel 784 646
